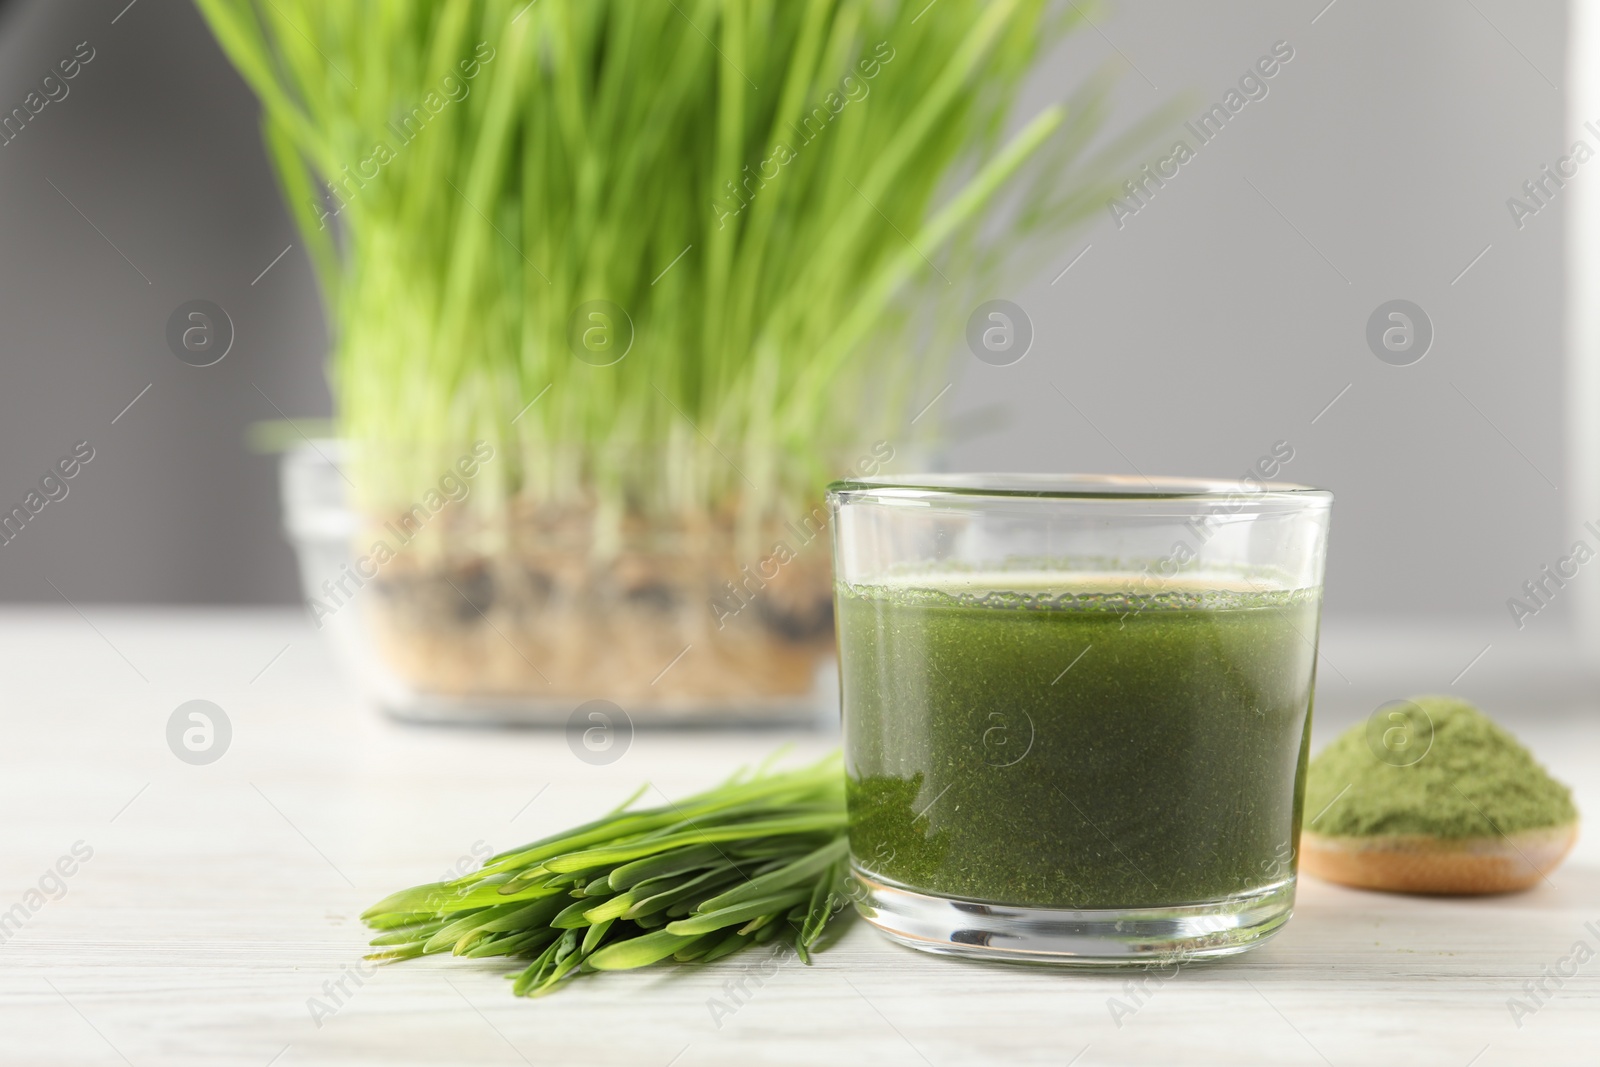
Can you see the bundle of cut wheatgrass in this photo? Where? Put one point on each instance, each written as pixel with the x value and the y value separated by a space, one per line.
pixel 779 195
pixel 761 858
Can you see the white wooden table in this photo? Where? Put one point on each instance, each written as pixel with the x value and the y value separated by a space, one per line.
pixel 219 905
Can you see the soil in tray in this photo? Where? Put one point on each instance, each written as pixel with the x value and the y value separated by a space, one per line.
pixel 561 625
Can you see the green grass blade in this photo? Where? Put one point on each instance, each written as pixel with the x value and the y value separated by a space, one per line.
pixel 802 870
pixel 704 922
pixel 638 951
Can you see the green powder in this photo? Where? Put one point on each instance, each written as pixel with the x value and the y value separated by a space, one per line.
pixel 1469 779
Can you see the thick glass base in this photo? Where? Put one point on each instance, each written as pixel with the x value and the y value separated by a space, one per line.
pixel 1063 936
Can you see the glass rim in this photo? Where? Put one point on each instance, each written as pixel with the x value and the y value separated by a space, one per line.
pixel 1122 487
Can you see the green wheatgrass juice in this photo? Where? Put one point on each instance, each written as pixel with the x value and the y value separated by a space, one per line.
pixel 1065 741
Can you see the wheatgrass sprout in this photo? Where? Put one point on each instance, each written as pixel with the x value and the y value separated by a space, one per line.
pixel 778 195
pixel 761 858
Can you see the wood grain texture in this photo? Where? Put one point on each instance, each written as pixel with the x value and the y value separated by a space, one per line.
pixel 220 899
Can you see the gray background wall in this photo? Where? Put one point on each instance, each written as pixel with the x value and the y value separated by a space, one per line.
pixel 1220 319
pixel 157 144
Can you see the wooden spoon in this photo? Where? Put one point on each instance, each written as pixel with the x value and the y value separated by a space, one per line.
pixel 1418 863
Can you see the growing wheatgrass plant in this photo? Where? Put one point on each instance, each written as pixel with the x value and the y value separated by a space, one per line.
pixel 779 194
pixel 759 859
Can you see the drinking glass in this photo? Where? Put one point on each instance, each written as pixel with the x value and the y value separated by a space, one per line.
pixel 1076 709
